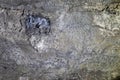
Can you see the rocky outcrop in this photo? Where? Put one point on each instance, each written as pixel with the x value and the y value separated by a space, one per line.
pixel 83 42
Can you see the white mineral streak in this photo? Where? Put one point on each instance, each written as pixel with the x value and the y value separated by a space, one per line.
pixel 40 45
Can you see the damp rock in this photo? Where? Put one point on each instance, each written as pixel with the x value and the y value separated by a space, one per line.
pixel 36 24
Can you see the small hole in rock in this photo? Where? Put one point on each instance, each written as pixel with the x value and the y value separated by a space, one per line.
pixel 5 67
pixel 37 24
pixel 117 78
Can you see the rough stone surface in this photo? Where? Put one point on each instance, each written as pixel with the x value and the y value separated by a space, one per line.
pixel 83 44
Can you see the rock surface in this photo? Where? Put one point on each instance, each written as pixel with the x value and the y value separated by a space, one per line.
pixel 83 43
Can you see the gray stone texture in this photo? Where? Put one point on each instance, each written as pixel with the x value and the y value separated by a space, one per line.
pixel 83 44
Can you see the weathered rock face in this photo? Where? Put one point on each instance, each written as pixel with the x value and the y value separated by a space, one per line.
pixel 83 42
